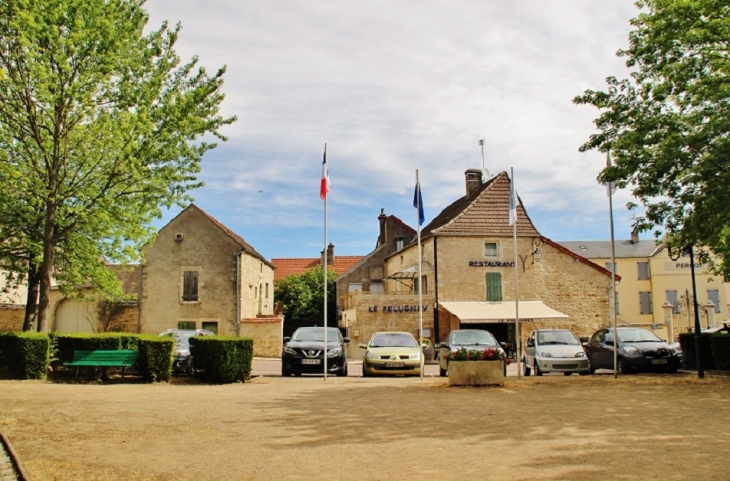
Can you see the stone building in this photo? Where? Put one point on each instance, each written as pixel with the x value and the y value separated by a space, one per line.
pixel 198 274
pixel 469 270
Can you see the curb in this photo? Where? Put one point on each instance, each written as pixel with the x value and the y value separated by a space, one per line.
pixel 14 458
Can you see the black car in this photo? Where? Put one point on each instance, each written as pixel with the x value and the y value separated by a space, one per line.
pixel 638 350
pixel 304 352
pixel 183 362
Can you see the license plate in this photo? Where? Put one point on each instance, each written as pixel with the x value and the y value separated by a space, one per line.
pixel 658 361
pixel 394 364
pixel 310 361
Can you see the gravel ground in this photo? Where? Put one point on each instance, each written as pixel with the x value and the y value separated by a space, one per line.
pixel 550 428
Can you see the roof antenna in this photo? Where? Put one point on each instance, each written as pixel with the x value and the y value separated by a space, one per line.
pixel 485 172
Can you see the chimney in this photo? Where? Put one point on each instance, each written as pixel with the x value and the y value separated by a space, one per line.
pixel 382 218
pixel 473 180
pixel 634 236
pixel 331 254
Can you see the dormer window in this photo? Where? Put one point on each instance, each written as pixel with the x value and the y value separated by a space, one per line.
pixel 399 241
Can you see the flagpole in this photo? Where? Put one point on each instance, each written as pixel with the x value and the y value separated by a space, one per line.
pixel 420 279
pixel 612 300
pixel 325 265
pixel 513 205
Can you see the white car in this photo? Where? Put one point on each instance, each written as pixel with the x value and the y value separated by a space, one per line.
pixel 554 350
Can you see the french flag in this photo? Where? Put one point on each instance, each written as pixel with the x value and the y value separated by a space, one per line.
pixel 324 185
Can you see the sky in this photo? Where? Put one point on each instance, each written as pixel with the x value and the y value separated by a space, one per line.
pixel 392 87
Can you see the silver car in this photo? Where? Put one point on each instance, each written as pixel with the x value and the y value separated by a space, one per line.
pixel 554 350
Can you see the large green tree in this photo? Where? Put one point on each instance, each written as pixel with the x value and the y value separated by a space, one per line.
pixel 303 299
pixel 101 126
pixel 667 127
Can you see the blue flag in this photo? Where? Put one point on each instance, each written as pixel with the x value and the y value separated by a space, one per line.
pixel 418 203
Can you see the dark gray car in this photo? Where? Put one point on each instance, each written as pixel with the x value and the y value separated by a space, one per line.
pixel 469 339
pixel 183 362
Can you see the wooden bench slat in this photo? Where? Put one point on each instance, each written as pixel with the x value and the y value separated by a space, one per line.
pixel 104 358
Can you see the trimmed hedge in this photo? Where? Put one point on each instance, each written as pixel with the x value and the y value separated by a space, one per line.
pixel 689 354
pixel 222 359
pixel 27 354
pixel 155 357
pixel 6 340
pixel 720 343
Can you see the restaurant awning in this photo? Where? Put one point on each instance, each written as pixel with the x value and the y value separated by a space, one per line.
pixel 412 271
pixel 500 312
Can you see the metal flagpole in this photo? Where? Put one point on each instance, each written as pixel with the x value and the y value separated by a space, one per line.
pixel 420 280
pixel 612 301
pixel 518 337
pixel 325 269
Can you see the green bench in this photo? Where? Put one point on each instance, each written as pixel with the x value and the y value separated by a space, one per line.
pixel 100 358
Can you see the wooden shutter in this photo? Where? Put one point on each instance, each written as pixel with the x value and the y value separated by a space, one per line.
pixel 190 286
pixel 494 286
pixel 645 301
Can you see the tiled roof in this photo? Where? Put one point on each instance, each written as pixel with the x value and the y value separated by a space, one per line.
pixel 602 249
pixel 288 267
pixel 485 212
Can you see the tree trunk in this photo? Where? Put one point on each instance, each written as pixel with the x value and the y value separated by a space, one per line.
pixel 46 269
pixel 31 302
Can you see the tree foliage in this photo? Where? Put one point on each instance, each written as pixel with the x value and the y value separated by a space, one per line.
pixel 667 127
pixel 303 299
pixel 101 126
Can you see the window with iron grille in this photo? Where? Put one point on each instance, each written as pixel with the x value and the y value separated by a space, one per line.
pixel 190 286
pixel 494 286
pixel 645 306
pixel 643 270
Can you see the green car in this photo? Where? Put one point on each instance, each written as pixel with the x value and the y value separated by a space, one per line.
pixel 392 353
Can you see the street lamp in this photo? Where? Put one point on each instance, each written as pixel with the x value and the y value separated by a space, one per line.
pixel 689 250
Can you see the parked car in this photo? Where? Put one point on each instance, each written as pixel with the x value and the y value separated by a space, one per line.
pixel 392 353
pixel 469 339
pixel 183 361
pixel 304 352
pixel 638 350
pixel 554 350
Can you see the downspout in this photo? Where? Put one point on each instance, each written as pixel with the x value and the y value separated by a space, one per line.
pixel 139 300
pixel 238 294
pixel 435 291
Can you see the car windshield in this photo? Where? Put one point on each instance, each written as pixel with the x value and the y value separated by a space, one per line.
pixel 637 335
pixel 316 334
pixel 472 338
pixel 557 337
pixel 393 339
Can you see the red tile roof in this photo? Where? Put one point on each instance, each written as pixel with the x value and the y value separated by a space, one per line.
pixel 288 267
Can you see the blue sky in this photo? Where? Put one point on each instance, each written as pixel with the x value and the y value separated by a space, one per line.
pixel 393 86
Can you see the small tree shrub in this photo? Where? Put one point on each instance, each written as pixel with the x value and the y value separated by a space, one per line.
pixel 222 359
pixel 28 355
pixel 720 344
pixel 155 357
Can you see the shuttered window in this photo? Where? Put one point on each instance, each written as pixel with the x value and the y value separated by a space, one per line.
pixel 186 324
pixel 494 286
pixel 713 295
pixel 609 268
pixel 645 303
pixel 643 270
pixel 211 326
pixel 190 286
pixel 673 299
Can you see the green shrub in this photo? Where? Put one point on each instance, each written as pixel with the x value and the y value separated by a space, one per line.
pixel 155 357
pixel 64 344
pixel 222 359
pixel 689 354
pixel 720 343
pixel 7 343
pixel 28 355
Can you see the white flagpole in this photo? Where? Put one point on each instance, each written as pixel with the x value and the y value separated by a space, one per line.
pixel 518 337
pixel 420 279
pixel 612 300
pixel 325 269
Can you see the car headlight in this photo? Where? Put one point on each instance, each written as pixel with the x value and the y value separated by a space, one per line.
pixel 370 355
pixel 631 351
pixel 544 354
pixel 291 351
pixel 336 351
pixel 415 356
pixel 580 354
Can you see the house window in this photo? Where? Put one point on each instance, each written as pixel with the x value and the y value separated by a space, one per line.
pixel 211 326
pixel 608 267
pixel 376 287
pixel 190 286
pixel 354 286
pixel 494 286
pixel 186 324
pixel 713 295
pixel 399 241
pixel 490 249
pixel 673 299
pixel 267 290
pixel 643 270
pixel 645 303
pixel 417 285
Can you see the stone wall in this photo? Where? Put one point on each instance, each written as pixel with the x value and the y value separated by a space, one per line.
pixel 11 317
pixel 267 333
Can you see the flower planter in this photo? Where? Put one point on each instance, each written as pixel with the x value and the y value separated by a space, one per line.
pixel 476 373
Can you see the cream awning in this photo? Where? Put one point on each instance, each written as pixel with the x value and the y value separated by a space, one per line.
pixel 493 312
pixel 412 271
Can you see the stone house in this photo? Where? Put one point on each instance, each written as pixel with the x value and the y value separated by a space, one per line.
pixel 469 270
pixel 198 274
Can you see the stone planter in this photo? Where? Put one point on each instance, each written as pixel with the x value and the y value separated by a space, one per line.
pixel 476 373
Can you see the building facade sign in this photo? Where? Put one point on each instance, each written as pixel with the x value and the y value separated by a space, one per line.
pixel 397 309
pixel 491 263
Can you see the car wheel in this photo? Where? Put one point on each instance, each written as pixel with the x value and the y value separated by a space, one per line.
pixel 538 372
pixel 442 372
pixel 285 372
pixel 525 368
pixel 673 370
pixel 567 373
pixel 623 367
pixel 591 369
pixel 364 371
